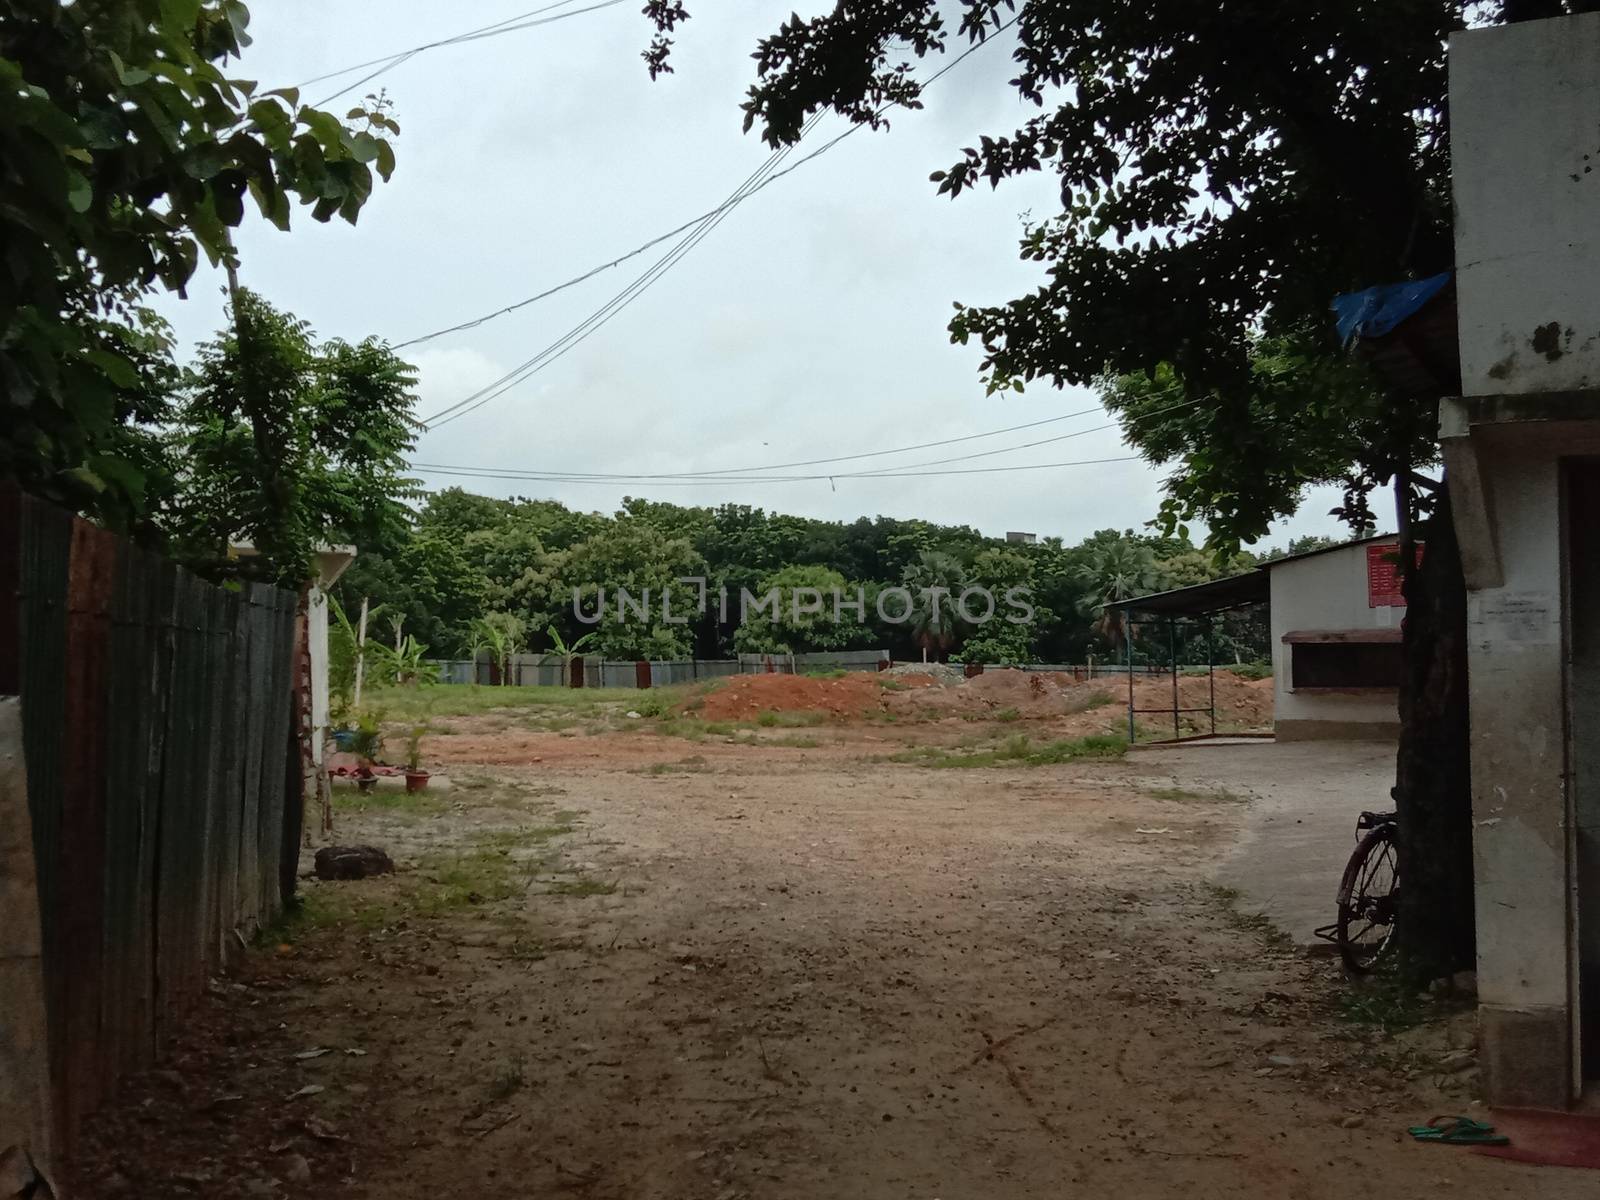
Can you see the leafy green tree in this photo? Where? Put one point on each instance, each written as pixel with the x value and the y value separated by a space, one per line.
pixel 1188 568
pixel 290 445
pixel 634 557
pixel 1003 638
pixel 128 153
pixel 427 579
pixel 794 628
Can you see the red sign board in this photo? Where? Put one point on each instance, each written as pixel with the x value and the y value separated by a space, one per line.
pixel 1383 576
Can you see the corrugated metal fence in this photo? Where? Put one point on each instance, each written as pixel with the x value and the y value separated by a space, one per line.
pixel 550 670
pixel 157 736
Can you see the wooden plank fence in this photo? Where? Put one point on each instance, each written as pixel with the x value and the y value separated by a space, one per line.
pixel 156 769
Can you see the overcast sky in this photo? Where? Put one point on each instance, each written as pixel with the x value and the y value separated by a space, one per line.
pixel 809 324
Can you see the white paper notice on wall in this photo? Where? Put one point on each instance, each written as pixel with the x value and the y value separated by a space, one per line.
pixel 1527 618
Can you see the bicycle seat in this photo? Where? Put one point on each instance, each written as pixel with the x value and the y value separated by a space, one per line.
pixel 1370 820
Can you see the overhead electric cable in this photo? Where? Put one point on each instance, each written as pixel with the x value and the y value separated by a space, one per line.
pixel 733 474
pixel 527 20
pixel 616 304
pixel 700 227
pixel 470 473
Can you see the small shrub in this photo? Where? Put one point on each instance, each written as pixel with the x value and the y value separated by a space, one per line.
pixel 1008 714
pixel 1255 670
pixel 651 704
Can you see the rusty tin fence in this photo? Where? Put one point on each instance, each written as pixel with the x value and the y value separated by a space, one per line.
pixel 158 765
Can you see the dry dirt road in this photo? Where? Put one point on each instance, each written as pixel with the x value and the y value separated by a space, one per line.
pixel 668 970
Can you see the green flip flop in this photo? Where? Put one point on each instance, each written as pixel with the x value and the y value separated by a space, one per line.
pixel 1458 1131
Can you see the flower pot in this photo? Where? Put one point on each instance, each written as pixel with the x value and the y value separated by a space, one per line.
pixel 416 781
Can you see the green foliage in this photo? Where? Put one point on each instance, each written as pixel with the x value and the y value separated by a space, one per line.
pixel 1116 570
pixel 442 576
pixel 405 665
pixel 290 445
pixel 636 557
pixel 368 742
pixel 414 738
pixel 501 635
pixel 1252 670
pixel 128 154
pixel 804 620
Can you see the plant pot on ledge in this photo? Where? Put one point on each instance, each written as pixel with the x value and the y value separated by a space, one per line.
pixel 417 780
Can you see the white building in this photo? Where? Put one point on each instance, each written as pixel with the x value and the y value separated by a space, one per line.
pixel 1335 621
pixel 1336 665
pixel 1522 451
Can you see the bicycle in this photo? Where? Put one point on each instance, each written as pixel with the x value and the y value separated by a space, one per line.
pixel 1369 895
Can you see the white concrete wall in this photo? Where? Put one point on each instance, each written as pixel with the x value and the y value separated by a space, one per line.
pixel 1518 751
pixel 1326 591
pixel 1525 154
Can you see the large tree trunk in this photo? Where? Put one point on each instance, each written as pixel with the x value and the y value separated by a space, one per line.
pixel 1433 771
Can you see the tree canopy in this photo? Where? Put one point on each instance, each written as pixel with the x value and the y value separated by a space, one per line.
pixel 467 556
pixel 127 152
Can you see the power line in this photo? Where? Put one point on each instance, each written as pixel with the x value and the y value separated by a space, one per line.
pixel 700 227
pixel 616 304
pixel 635 252
pixel 812 462
pixel 734 474
pixel 486 473
pixel 527 20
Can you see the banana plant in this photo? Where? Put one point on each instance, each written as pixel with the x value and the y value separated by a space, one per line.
pixel 558 645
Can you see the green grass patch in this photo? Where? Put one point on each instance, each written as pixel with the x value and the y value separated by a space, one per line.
pixel 683 766
pixel 496 866
pixel 1385 1002
pixel 694 730
pixel 795 741
pixel 352 801
pixel 789 720
pixel 1019 751
pixel 1180 795
pixel 1255 924
pixel 1008 715
pixel 1259 670
pixel 322 907
pixel 580 887
pixel 466 700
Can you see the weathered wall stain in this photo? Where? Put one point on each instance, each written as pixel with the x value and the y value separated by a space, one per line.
pixel 1547 340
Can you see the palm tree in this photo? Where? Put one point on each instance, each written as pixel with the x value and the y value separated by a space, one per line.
pixel 1115 571
pixel 935 581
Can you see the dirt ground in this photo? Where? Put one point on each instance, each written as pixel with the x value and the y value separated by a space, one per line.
pixel 770 964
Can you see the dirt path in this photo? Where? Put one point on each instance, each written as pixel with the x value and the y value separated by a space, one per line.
pixel 775 973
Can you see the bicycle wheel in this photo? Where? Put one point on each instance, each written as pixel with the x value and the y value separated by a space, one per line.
pixel 1369 901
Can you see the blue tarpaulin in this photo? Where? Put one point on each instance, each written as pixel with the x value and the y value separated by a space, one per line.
pixel 1375 311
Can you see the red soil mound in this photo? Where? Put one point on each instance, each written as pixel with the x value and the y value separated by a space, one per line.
pixel 744 697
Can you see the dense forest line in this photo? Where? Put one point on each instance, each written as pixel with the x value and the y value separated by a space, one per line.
pixel 472 568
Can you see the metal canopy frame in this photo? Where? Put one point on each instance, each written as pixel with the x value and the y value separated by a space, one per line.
pixel 1206 605
pixel 1176 710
